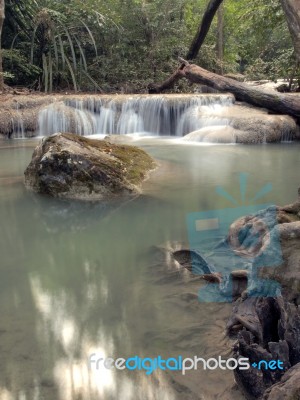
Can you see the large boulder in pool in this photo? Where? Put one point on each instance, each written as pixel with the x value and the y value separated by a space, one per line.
pixel 65 165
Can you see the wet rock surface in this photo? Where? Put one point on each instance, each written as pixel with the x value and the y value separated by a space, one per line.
pixel 269 326
pixel 69 166
pixel 242 124
pixel 288 388
pixel 264 322
pixel 271 332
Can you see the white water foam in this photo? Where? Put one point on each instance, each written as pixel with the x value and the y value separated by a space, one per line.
pixel 142 115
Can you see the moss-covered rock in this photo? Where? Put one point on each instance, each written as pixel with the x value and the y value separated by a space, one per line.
pixel 69 166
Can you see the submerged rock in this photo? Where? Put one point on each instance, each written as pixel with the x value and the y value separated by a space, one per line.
pixel 70 166
pixel 272 238
pixel 269 326
pixel 265 318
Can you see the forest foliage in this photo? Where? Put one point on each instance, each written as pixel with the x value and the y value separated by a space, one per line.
pixel 123 45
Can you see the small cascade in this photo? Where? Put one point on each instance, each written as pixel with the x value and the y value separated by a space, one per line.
pixel 106 119
pixel 135 114
pixel 287 135
pixel 17 124
pixel 58 117
pixel 197 117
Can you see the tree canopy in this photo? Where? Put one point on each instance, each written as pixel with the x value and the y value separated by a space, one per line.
pixel 123 45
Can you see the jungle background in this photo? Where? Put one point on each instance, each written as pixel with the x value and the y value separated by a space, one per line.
pixel 124 45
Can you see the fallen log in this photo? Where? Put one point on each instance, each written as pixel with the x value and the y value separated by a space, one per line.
pixel 273 101
pixel 167 84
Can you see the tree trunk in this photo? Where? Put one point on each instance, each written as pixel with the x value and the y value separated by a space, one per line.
pixel 200 36
pixel 291 9
pixel 2 16
pixel 276 102
pixel 220 38
pixel 196 44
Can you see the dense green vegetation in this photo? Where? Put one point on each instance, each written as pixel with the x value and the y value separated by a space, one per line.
pixel 123 45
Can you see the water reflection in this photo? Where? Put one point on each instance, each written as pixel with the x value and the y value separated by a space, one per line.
pixel 72 374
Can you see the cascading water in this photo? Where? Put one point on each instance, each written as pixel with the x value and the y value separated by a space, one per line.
pixel 58 117
pixel 210 118
pixel 152 115
pixel 18 124
pixel 201 116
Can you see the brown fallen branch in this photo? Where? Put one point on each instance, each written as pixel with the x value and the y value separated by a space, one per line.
pixel 273 101
pixel 168 83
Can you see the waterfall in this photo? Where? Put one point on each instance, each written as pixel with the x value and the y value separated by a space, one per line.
pixel 133 114
pixel 17 123
pixel 201 116
pixel 210 118
pixel 58 117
